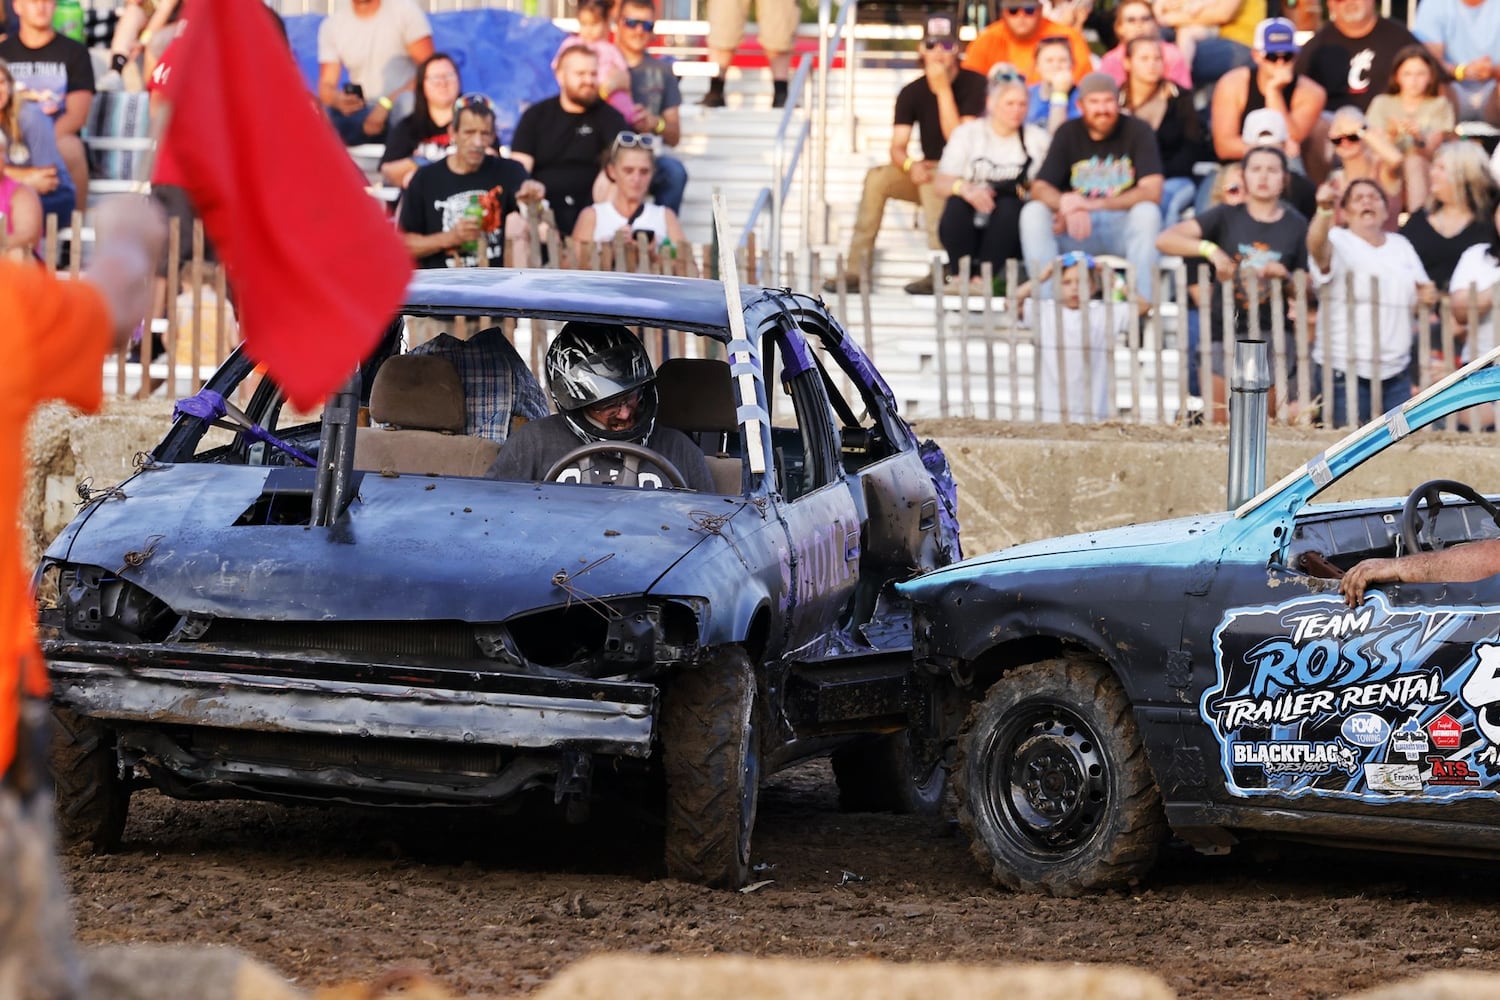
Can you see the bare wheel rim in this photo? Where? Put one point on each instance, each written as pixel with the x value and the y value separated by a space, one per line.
pixel 1045 780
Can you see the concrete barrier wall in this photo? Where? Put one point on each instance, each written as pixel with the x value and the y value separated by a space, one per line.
pixel 1016 482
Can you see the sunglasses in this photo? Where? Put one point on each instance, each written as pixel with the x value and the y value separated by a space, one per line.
pixel 1339 140
pixel 946 44
pixel 1028 10
pixel 636 22
pixel 1280 56
pixel 1005 73
pixel 473 102
pixel 635 140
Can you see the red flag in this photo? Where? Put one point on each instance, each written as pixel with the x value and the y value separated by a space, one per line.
pixel 317 269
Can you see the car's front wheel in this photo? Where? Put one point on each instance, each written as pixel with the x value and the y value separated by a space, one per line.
pixel 1053 784
pixel 711 759
pixel 92 798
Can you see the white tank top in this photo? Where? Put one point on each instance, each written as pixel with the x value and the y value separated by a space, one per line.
pixel 607 220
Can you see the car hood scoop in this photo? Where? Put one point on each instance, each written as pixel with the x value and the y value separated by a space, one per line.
pixel 409 548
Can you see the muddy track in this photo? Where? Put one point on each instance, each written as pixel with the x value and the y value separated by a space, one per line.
pixel 497 906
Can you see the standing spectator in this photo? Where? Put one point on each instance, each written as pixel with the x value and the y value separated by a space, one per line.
pixel 1227 47
pixel 422 137
pixel 561 141
pixel 1263 237
pixel 937 103
pixel 1099 188
pixel 1014 39
pixel 1158 102
pixel 1363 381
pixel 22 211
pixel 1415 116
pixel 1055 99
pixel 57 75
pixel 434 215
pixel 614 72
pixel 33 156
pixel 1365 153
pixel 1133 19
pixel 657 100
pixel 381 43
pixel 777 26
pixel 1465 37
pixel 1271 83
pixel 630 163
pixel 987 166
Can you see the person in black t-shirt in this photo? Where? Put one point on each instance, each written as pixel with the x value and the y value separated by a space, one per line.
pixel 434 217
pixel 57 75
pixel 945 97
pixel 562 140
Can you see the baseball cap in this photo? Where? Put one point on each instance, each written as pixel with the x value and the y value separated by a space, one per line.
pixel 1275 34
pixel 1264 127
pixel 940 28
pixel 1020 3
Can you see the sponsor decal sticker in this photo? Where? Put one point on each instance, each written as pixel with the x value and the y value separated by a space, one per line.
pixel 1451 772
pixel 1409 740
pixel 1366 729
pixel 1393 778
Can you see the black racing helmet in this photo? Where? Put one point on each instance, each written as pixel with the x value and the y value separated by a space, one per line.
pixel 592 363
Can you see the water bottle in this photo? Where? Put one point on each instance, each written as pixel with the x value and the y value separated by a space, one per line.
pixel 474 211
pixel 982 219
pixel 67 19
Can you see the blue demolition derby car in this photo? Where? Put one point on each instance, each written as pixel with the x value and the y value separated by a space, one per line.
pixel 321 607
pixel 1203 677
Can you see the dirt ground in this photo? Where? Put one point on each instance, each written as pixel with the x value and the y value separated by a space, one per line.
pixel 497 906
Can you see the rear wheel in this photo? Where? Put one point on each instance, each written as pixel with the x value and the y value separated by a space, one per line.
pixel 882 774
pixel 711 759
pixel 92 798
pixel 1053 784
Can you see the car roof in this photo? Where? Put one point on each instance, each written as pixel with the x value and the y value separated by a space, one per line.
pixel 651 299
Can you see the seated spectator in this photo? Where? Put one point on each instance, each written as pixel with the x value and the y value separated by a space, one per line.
pixel 33 156
pixel 561 141
pixel 422 137
pixel 1099 189
pixel 437 216
pixel 987 166
pixel 1270 83
pixel 1363 152
pixel 614 72
pixel 1226 46
pixel 1363 383
pixel 1351 57
pixel 1014 38
pixel 1465 37
pixel 1076 389
pixel 380 43
pixel 1158 102
pixel 1415 116
pixel 629 166
pixel 22 211
pixel 1264 127
pixel 1474 281
pixel 656 99
pixel 56 74
pixel 937 103
pixel 1055 99
pixel 1263 237
pixel 1227 187
pixel 1133 19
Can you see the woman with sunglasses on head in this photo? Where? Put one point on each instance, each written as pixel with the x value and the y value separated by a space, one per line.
pixel 422 136
pixel 1255 243
pixel 629 166
pixel 1364 383
pixel 1361 153
pixel 1160 103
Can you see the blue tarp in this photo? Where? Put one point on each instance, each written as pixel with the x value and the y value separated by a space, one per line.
pixel 502 54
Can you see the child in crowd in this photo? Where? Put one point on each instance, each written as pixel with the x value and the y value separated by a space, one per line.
pixel 1074 344
pixel 614 73
pixel 1415 114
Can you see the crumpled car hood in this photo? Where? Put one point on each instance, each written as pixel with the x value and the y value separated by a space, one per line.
pixel 409 548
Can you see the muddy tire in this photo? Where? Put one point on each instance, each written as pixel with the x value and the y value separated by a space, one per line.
pixel 92 799
pixel 882 775
pixel 1052 781
pixel 711 761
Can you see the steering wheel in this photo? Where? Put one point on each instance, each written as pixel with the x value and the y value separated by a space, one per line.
pixel 627 449
pixel 1432 491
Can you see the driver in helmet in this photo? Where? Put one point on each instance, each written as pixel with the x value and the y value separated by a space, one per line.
pixel 604 388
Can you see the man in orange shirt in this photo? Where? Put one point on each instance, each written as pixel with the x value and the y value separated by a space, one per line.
pixel 1014 38
pixel 54 338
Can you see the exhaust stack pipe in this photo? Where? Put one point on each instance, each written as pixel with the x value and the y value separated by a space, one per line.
pixel 1248 390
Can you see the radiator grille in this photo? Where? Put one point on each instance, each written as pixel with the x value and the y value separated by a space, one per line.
pixel 450 640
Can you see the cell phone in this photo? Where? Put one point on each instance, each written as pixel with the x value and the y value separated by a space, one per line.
pixel 355 89
pixel 649 234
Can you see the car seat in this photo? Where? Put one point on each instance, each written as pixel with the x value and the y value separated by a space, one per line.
pixel 419 400
pixel 696 396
